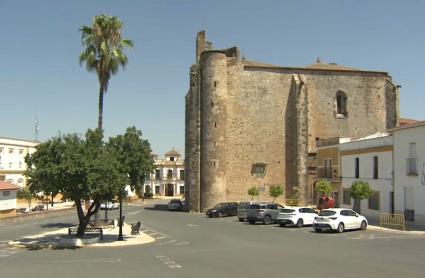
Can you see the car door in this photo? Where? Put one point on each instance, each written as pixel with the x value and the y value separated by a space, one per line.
pixel 308 215
pixel 347 219
pixel 272 210
pixel 355 219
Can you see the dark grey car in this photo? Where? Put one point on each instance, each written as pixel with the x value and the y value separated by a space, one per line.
pixel 243 210
pixel 264 212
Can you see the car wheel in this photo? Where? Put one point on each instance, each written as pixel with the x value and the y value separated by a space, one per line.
pixel 363 226
pixel 241 219
pixel 340 228
pixel 282 224
pixel 251 222
pixel 318 230
pixel 300 223
pixel 266 220
pixel 218 215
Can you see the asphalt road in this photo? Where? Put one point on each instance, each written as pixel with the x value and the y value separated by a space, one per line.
pixel 191 245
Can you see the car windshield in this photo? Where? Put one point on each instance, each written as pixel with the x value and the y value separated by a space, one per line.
pixel 287 210
pixel 327 213
pixel 218 206
pixel 175 201
pixel 256 206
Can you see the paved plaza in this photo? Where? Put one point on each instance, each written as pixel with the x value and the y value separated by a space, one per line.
pixel 191 245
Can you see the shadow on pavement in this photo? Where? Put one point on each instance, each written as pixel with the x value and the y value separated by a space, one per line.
pixel 57 225
pixel 163 207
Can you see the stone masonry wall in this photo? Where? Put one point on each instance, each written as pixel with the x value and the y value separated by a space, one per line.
pixel 252 114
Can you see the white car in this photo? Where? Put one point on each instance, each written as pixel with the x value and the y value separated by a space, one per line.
pixel 298 216
pixel 109 206
pixel 339 219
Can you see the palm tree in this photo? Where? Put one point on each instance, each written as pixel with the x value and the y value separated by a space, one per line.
pixel 104 52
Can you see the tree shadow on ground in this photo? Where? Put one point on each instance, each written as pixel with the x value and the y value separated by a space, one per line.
pixel 57 225
pixel 163 207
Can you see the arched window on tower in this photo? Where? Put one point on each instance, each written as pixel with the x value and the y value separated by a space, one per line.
pixel 341 105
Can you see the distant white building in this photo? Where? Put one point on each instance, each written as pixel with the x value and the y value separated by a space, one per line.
pixel 409 171
pixel 369 159
pixel 7 199
pixel 168 177
pixel 12 159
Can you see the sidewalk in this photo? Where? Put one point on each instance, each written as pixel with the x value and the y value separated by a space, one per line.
pixel 60 239
pixel 411 228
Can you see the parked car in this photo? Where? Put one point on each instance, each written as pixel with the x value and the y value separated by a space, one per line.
pixel 264 212
pixel 339 220
pixel 243 210
pixel 109 206
pixel 175 204
pixel 223 209
pixel 298 216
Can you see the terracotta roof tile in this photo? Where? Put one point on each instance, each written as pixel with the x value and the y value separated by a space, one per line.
pixel 8 186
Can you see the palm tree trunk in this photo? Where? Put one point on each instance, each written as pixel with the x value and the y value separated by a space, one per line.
pixel 99 126
pixel 100 117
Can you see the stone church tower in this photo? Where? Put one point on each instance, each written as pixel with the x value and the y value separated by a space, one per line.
pixel 253 124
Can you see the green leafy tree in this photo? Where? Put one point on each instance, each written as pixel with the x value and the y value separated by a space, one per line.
pixel 103 52
pixel 323 187
pixel 360 190
pixel 253 192
pixel 134 154
pixel 275 191
pixel 79 168
pixel 25 193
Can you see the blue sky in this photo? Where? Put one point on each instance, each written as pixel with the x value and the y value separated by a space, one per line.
pixel 40 47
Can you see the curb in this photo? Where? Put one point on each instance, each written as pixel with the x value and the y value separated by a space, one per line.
pixel 383 229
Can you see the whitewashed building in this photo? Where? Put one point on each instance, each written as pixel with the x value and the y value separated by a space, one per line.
pixel 168 177
pixel 7 199
pixel 409 171
pixel 371 160
pixel 12 159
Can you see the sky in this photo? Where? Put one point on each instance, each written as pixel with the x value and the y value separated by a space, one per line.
pixel 40 73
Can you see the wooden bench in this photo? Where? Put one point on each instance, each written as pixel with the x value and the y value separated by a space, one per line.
pixel 73 230
pixel 135 228
pixel 38 208
pixel 21 210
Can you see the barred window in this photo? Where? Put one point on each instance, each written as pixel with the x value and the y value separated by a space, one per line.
pixel 258 169
pixel 374 201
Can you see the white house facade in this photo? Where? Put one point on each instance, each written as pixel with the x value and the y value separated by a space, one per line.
pixel 168 177
pixel 409 171
pixel 7 199
pixel 12 159
pixel 369 160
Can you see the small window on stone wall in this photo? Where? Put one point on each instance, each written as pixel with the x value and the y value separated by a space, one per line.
pixel 346 199
pixel 258 169
pixel 341 105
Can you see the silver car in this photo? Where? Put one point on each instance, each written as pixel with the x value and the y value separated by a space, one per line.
pixel 264 212
pixel 243 210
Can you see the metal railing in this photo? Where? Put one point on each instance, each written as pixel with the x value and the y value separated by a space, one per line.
pixel 387 219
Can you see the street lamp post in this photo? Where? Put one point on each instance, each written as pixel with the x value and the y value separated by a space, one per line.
pixel 120 237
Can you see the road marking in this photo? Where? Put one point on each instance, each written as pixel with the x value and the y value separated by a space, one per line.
pixel 155 231
pixel 192 225
pixel 167 242
pixel 134 212
pixel 161 237
pixel 168 262
pixel 181 243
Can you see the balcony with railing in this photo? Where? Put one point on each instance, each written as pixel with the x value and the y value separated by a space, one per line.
pixel 331 174
pixel 411 167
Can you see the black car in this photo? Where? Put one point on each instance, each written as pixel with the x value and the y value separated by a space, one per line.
pixel 223 209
